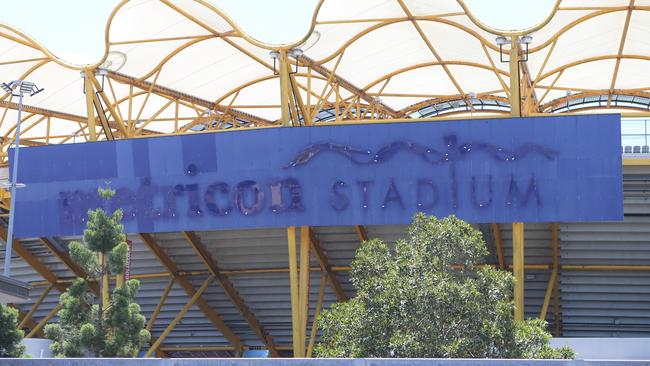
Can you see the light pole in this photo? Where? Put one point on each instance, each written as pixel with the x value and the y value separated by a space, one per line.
pixel 16 88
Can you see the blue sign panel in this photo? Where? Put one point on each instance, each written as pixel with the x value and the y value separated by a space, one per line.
pixel 496 170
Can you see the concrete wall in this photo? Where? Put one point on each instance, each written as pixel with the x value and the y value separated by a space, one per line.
pixel 607 348
pixel 312 362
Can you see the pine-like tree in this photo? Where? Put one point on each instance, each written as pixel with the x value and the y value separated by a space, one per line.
pixel 10 335
pixel 111 326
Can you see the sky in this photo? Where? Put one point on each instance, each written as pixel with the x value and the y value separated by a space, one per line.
pixel 74 29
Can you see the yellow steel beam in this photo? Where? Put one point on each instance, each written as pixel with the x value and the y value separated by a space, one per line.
pixel 284 88
pixel 314 325
pixel 174 94
pixel 547 296
pixel 30 323
pixel 621 46
pixel 518 267
pixel 235 272
pixel 386 77
pixel 34 262
pixel 83 121
pixel 34 307
pixel 9 140
pixel 179 316
pixel 44 321
pixel 108 133
pixel 362 233
pixel 299 101
pixel 203 305
pixel 229 289
pixel 333 78
pixel 559 102
pixel 323 262
pixel 90 111
pixel 498 243
pixel 147 95
pixel 23 142
pixel 69 262
pixel 4 114
pixel 116 116
pixel 429 45
pixel 440 99
pixel 295 118
pixel 323 97
pixel 161 301
pixel 529 94
pixel 155 314
pixel 44 112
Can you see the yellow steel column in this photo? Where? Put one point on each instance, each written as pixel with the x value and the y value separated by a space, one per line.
pixel 305 243
pixel 517 227
pixel 285 87
pixel 293 283
pixel 515 98
pixel 90 109
pixel 518 267
pixel 119 280
pixel 555 230
pixel 105 284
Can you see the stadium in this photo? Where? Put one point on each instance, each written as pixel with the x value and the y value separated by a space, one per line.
pixel 182 73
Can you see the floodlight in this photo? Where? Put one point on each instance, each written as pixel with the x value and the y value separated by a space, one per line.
pixel 527 39
pixel 19 87
pixel 295 52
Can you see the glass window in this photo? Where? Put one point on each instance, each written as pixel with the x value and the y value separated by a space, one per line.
pixel 634 140
pixel 633 127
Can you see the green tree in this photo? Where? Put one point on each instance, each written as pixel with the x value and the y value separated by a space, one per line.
pixel 10 335
pixel 430 297
pixel 113 326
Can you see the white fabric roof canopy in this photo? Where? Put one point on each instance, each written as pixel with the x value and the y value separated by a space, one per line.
pixel 171 62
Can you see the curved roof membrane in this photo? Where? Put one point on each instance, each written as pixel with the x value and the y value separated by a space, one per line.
pixel 181 66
